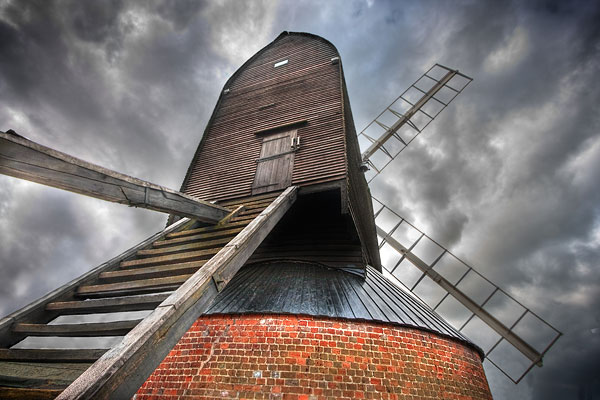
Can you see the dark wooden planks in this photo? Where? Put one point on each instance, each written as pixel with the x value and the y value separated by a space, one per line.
pixel 358 190
pixel 307 88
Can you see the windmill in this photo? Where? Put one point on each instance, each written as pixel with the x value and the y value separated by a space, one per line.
pixel 270 274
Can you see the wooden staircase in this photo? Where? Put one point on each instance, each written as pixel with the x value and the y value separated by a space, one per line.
pixel 139 280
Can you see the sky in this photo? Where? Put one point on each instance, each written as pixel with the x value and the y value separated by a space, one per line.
pixel 506 177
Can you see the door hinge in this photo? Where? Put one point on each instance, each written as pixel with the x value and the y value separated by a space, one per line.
pixel 296 143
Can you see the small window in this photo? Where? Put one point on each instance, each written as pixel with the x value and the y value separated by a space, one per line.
pixel 280 63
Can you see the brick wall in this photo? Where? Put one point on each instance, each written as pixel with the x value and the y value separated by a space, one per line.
pixel 299 357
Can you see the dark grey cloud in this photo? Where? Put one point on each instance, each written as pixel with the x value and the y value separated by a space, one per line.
pixel 506 177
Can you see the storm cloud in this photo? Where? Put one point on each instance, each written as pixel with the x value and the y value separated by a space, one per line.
pixel 507 176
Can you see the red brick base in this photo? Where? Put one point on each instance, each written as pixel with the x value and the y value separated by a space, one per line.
pixel 298 357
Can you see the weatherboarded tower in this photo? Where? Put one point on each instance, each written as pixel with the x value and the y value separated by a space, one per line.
pixel 309 315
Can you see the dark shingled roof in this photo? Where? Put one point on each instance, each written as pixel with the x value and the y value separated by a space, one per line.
pixel 287 287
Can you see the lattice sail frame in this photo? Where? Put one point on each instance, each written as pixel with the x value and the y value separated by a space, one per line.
pixel 409 114
pixel 513 338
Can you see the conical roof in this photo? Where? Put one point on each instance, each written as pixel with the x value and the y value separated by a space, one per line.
pixel 289 287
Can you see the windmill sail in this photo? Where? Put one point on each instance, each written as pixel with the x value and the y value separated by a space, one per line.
pixel 409 114
pixel 513 337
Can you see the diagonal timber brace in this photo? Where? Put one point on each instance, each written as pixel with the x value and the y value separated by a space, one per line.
pixel 475 308
pixel 22 158
pixel 122 370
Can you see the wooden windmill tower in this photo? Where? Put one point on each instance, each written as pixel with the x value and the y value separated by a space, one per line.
pixel 267 281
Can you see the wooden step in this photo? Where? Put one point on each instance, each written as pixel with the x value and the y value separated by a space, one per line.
pixel 138 286
pixel 171 258
pixel 159 271
pixel 253 207
pixel 52 355
pixel 244 200
pixel 247 212
pixel 39 375
pixel 205 229
pixel 12 393
pixel 118 328
pixel 245 216
pixel 199 245
pixel 201 236
pixel 130 292
pixel 114 304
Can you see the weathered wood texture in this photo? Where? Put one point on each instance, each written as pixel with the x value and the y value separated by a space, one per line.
pixel 359 195
pixel 11 393
pixel 121 371
pixel 260 97
pixel 22 158
pixel 119 304
pixel 308 95
pixel 117 328
pixel 52 355
pixel 276 163
pixel 44 375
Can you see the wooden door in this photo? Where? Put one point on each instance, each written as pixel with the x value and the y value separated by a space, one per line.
pixel 276 162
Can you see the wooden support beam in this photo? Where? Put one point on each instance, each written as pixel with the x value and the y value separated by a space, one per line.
pixel 121 371
pixel 22 158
